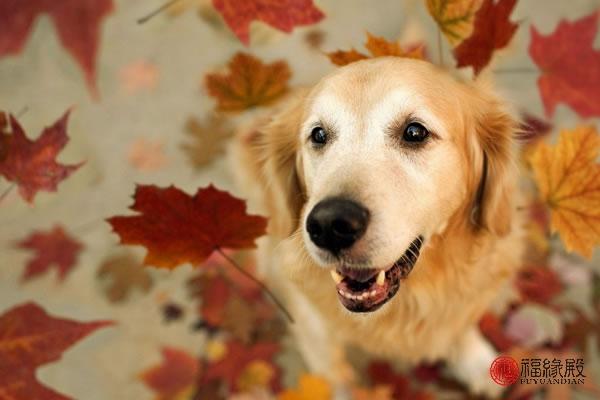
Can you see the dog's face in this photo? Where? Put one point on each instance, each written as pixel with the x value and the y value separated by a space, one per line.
pixel 387 151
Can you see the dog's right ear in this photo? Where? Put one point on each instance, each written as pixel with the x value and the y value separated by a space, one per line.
pixel 279 143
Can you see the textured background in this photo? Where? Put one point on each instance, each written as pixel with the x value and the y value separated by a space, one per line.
pixel 183 47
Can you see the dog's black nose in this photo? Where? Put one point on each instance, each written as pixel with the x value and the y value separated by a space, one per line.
pixel 336 223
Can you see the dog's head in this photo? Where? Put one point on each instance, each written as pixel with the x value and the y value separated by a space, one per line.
pixel 378 158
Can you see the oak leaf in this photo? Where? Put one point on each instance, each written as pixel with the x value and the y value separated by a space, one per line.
pixel 32 164
pixel 249 83
pixel 177 228
pixel 568 179
pixel 123 274
pixel 310 387
pixel 29 338
pixel 454 17
pixel 283 15
pixel 569 66
pixel 377 47
pixel 76 21
pixel 54 248
pixel 207 140
pixel 175 377
pixel 492 31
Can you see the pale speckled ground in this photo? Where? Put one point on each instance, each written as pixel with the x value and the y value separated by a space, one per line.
pixel 45 79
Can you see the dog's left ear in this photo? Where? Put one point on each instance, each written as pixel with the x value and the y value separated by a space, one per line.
pixel 493 205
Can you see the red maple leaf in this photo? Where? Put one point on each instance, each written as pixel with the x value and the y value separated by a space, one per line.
pixel 492 328
pixel 492 30
pixel 237 357
pixel 29 337
pixel 52 248
pixel 77 23
pixel 381 373
pixel 176 374
pixel 538 284
pixel 32 164
pixel 283 15
pixel 569 65
pixel 177 228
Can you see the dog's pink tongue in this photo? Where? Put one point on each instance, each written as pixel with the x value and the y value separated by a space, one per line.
pixel 358 274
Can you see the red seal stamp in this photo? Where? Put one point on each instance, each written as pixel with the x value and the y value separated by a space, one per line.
pixel 505 371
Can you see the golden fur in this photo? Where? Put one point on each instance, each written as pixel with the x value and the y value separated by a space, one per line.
pixel 462 268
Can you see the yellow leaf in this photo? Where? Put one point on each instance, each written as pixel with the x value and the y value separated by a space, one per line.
pixel 257 374
pixel 310 387
pixel 249 83
pixel 378 47
pixel 454 17
pixel 568 178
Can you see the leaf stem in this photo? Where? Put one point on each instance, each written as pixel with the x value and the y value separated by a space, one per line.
pixel 264 287
pixel 6 192
pixel 160 9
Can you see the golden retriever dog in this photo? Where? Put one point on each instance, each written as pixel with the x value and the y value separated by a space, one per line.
pixel 391 190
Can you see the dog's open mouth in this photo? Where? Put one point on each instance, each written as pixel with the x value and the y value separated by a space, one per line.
pixel 367 289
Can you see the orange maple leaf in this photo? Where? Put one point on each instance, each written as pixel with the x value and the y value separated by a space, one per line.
pixel 310 387
pixel 568 178
pixel 378 47
pixel 249 83
pixel 454 17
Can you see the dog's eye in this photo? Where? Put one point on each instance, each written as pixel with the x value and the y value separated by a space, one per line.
pixel 318 136
pixel 415 133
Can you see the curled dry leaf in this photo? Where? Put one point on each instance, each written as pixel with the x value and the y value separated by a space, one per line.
pixel 207 140
pixel 492 30
pixel 29 338
pixel 568 179
pixel 454 17
pixel 54 248
pixel 249 83
pixel 283 15
pixel 32 164
pixel 377 47
pixel 123 274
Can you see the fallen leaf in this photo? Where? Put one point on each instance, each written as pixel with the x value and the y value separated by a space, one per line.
pixel 137 76
pixel 249 83
pixel 382 373
pixel 174 377
pixel 178 228
pixel 569 66
pixel 314 39
pixel 29 338
pixel 377 393
pixel 237 358
pixel 538 284
pixel 207 140
pixel 54 248
pixel 76 21
pixel 32 164
pixel 568 179
pixel 257 375
pixel 239 318
pixel 147 155
pixel 122 274
pixel 377 47
pixel 492 328
pixel 283 15
pixel 310 387
pixel 454 17
pixel 492 31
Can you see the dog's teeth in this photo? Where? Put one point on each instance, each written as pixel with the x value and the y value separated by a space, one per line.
pixel 373 293
pixel 381 278
pixel 337 278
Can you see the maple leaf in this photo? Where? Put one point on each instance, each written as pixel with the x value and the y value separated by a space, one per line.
pixel 76 21
pixel 310 387
pixel 283 15
pixel 175 377
pixel 538 284
pixel 568 179
pixel 570 67
pixel 257 375
pixel 492 328
pixel 231 367
pixel 492 31
pixel 377 393
pixel 377 47
pixel 123 274
pixel 208 140
pixel 454 17
pixel 29 338
pixel 177 228
pixel 31 164
pixel 381 373
pixel 239 318
pixel 53 248
pixel 249 83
